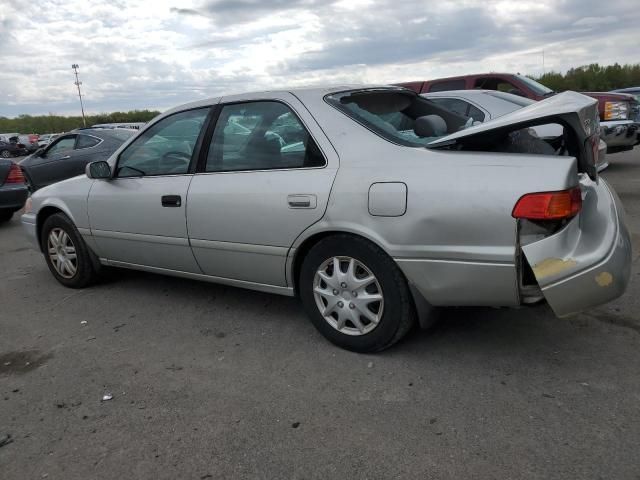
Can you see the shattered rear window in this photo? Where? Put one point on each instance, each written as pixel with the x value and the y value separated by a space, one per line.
pixel 392 114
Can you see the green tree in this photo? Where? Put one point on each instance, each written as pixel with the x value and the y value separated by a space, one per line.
pixel 55 123
pixel 593 77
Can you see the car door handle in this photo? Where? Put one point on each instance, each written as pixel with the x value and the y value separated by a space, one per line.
pixel 66 157
pixel 171 200
pixel 301 201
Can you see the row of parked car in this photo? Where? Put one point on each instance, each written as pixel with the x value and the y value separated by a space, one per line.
pixel 477 98
pixel 17 145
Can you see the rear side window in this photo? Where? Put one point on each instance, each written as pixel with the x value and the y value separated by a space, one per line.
pixel 86 141
pixel 261 136
pixel 400 116
pixel 447 85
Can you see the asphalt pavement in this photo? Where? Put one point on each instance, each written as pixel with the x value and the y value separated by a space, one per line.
pixel 211 381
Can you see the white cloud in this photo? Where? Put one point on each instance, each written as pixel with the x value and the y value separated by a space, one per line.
pixel 160 53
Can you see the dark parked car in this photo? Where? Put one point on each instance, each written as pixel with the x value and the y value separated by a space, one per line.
pixel 68 155
pixel 619 127
pixel 13 190
pixel 12 149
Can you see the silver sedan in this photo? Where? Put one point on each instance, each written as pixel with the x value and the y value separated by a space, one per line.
pixel 374 205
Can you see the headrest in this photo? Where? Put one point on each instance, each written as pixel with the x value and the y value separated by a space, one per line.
pixel 430 126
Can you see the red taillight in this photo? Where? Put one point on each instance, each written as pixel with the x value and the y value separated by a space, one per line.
pixel 549 205
pixel 15 175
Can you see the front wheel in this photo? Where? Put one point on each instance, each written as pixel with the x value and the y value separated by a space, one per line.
pixel 355 294
pixel 5 154
pixel 67 255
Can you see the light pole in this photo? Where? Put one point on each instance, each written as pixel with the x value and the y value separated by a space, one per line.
pixel 78 83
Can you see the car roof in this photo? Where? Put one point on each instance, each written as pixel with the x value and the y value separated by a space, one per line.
pixel 320 91
pixel 105 132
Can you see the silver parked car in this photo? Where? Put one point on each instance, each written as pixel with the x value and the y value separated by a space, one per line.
pixel 374 205
pixel 484 105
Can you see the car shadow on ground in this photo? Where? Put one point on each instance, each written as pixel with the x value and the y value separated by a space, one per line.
pixel 512 333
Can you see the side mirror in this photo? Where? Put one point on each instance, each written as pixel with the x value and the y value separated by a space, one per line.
pixel 98 170
pixel 38 152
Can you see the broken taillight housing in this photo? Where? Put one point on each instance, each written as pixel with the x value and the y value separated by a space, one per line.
pixel 549 205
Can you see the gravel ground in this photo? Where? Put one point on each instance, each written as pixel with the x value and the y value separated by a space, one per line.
pixel 216 382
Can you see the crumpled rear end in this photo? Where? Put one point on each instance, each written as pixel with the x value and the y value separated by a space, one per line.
pixel 588 262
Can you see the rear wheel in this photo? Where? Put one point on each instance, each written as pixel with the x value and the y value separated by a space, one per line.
pixel 355 294
pixel 67 255
pixel 5 154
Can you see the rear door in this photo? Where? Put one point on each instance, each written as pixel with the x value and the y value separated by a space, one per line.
pixel 267 177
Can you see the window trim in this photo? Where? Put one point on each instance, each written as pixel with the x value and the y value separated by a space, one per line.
pixel 204 153
pixel 194 155
pixel 87 135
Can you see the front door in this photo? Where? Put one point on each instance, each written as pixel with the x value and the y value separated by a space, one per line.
pixel 138 217
pixel 51 165
pixel 267 177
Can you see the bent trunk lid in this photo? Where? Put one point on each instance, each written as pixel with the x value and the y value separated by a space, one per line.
pixel 573 110
pixel 588 262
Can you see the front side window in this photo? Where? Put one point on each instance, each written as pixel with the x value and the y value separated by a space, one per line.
pixel 262 135
pixel 400 116
pixel 63 145
pixel 164 149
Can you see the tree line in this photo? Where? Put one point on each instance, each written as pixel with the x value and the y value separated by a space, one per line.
pixel 593 78
pixel 56 123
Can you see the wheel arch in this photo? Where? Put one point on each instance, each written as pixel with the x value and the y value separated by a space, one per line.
pixel 304 245
pixel 426 313
pixel 44 213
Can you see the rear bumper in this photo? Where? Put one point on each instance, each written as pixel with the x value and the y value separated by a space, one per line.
pixel 13 197
pixel 588 263
pixel 619 133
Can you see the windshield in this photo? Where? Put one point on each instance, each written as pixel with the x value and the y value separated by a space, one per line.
pixel 398 115
pixel 538 88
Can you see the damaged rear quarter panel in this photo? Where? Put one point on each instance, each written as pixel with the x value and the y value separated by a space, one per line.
pixel 588 262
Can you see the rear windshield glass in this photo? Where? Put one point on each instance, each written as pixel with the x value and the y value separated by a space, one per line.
pixel 400 116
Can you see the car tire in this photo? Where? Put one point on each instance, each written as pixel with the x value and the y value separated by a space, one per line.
pixel 86 269
pixel 5 215
pixel 397 309
pixel 5 154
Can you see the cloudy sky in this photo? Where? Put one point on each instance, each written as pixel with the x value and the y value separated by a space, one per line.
pixel 161 53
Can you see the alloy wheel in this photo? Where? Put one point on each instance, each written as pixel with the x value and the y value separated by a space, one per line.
pixel 62 253
pixel 348 295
